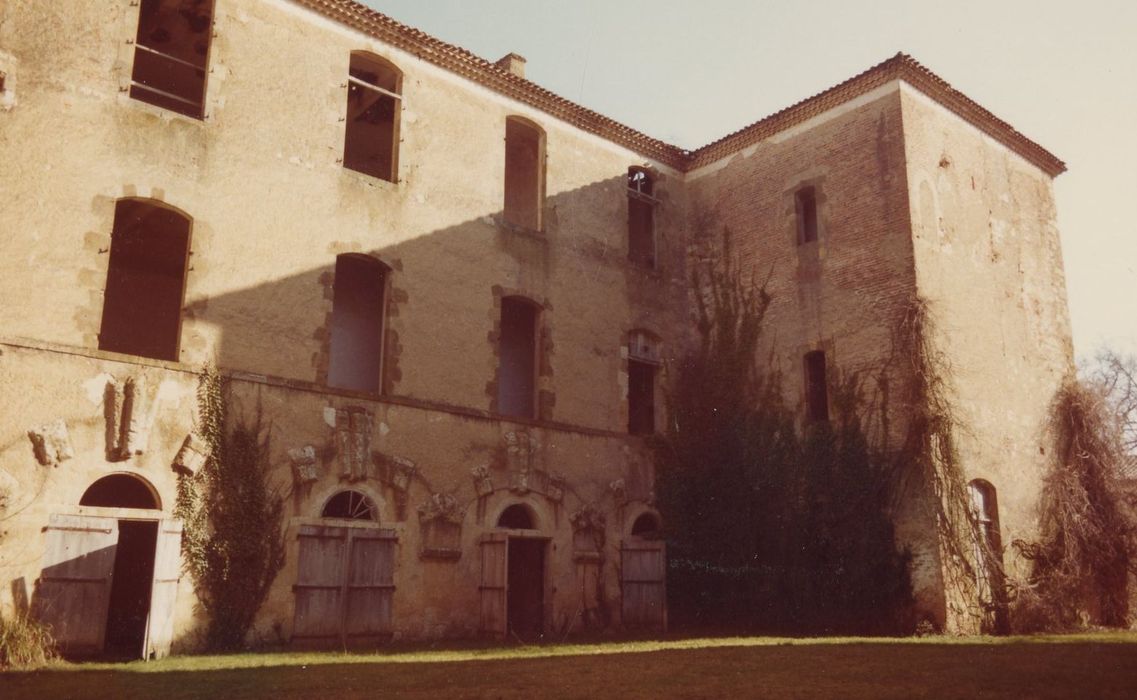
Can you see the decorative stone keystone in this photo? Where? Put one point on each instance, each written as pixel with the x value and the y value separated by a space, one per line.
pixel 619 492
pixel 483 483
pixel 353 442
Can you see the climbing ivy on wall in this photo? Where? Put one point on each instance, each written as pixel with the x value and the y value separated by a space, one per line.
pixel 233 543
pixel 770 527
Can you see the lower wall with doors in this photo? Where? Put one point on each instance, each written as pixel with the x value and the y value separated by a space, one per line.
pixel 401 520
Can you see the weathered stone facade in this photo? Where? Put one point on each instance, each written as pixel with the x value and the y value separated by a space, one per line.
pixel 918 190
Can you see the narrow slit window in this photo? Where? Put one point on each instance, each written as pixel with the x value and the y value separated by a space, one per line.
pixel 374 103
pixel 171 54
pixel 524 174
pixel 641 218
pixel 146 275
pixel 816 388
pixel 517 375
pixel 806 205
pixel 358 304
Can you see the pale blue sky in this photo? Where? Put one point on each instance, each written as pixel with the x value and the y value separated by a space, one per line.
pixel 1062 73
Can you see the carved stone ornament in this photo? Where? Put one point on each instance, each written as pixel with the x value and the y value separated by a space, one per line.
pixel 192 455
pixel 520 449
pixel 304 468
pixel 441 506
pixel 619 492
pixel 588 517
pixel 353 442
pixel 51 443
pixel 402 471
pixel 555 490
pixel 483 483
pixel 128 418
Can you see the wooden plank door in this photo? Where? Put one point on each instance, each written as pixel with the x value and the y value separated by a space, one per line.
pixel 370 584
pixel 74 589
pixel 643 572
pixel 318 591
pixel 494 589
pixel 164 590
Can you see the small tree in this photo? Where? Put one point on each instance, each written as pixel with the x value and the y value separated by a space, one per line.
pixel 233 541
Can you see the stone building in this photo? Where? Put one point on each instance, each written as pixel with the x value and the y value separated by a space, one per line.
pixel 452 295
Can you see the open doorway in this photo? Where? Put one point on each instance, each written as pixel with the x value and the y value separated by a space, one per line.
pixel 525 608
pixel 130 588
pixel 109 581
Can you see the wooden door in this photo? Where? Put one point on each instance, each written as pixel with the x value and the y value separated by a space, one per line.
pixel 344 584
pixel 164 590
pixel 73 592
pixel 643 571
pixel 494 589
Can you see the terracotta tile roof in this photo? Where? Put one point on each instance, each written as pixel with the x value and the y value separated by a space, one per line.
pixel 464 63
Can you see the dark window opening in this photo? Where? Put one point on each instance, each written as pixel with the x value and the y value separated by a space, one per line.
pixel 816 388
pixel 171 53
pixel 647 526
pixel 374 102
pixel 120 491
pixel 516 517
pixel 806 204
pixel 3 75
pixel 641 398
pixel 641 218
pixel 349 505
pixel 358 296
pixel 145 281
pixel 524 174
pixel 517 375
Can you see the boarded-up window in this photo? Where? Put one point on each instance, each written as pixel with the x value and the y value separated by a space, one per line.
pixel 145 280
pixel 357 323
pixel 374 103
pixel 816 388
pixel 524 173
pixel 344 585
pixel 517 375
pixel 171 53
pixel 641 218
pixel 805 201
pixel 643 567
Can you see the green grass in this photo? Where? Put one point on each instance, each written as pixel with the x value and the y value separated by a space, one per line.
pixel 1103 665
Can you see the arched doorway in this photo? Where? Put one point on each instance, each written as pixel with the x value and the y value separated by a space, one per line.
pixel 110 574
pixel 345 582
pixel 643 574
pixel 513 575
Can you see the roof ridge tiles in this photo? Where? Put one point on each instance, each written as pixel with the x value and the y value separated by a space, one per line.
pixel 467 64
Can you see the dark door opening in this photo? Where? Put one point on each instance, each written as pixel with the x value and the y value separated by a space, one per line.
pixel 525 607
pixel 133 576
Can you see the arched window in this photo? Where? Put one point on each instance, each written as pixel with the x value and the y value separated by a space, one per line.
pixel 516 517
pixel 988 554
pixel 641 217
pixel 524 173
pixel 374 103
pixel 517 373
pixel 350 505
pixel 121 491
pixel 171 54
pixel 358 305
pixel 643 362
pixel 146 276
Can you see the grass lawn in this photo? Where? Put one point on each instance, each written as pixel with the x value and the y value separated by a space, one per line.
pixel 1083 666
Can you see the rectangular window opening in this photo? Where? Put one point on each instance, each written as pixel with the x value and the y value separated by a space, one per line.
pixel 524 174
pixel 806 200
pixel 641 398
pixel 358 303
pixel 641 218
pixel 171 53
pixel 517 375
pixel 371 137
pixel 816 388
